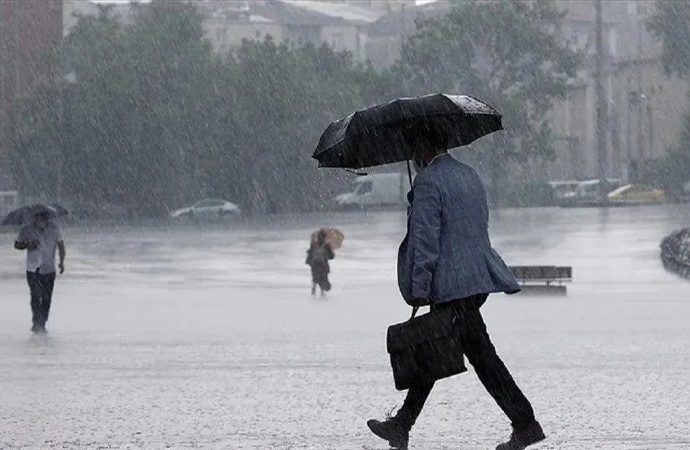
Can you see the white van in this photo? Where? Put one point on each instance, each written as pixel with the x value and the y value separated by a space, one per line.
pixel 376 191
pixel 564 189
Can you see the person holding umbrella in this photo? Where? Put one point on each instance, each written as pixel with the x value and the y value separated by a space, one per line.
pixel 319 253
pixel 446 259
pixel 40 238
pixel 447 262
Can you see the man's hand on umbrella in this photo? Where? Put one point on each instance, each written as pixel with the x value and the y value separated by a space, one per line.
pixel 30 245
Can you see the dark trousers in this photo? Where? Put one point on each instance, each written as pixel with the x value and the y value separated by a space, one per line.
pixel 319 275
pixel 490 369
pixel 41 288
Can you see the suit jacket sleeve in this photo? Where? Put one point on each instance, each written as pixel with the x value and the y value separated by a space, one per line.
pixel 425 236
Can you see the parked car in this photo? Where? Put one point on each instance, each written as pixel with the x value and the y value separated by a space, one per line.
pixel 208 208
pixel 635 194
pixel 586 193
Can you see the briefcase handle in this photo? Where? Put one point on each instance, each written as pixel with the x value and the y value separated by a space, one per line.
pixel 416 308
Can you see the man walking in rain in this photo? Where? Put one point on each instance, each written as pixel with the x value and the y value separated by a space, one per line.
pixel 447 261
pixel 40 238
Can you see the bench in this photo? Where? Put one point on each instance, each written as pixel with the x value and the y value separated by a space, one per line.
pixel 543 279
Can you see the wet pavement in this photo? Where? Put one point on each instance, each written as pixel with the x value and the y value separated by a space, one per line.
pixel 189 337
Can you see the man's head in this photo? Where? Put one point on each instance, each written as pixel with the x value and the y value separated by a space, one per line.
pixel 426 142
pixel 41 219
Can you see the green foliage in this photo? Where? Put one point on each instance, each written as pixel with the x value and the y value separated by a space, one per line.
pixel 509 53
pixel 671 23
pixel 156 119
pixel 673 170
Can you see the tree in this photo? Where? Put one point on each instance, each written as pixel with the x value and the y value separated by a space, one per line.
pixel 508 53
pixel 126 128
pixel 286 97
pixel 157 120
pixel 670 21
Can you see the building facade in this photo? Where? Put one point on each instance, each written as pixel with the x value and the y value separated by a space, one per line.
pixel 72 8
pixel 387 35
pixel 29 33
pixel 385 6
pixel 342 25
pixel 644 106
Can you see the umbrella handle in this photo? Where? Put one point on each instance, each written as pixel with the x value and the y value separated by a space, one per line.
pixel 409 173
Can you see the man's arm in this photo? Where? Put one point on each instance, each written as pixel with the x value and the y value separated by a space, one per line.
pixel 63 253
pixel 425 235
pixel 23 242
pixel 19 245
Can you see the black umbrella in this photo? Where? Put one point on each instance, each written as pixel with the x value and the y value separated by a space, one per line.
pixel 59 210
pixel 381 134
pixel 24 214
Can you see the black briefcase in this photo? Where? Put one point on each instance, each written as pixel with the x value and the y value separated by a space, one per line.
pixel 425 348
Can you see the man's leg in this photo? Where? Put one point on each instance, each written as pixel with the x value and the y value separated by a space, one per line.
pixel 396 429
pixel 35 291
pixel 412 406
pixel 314 280
pixel 325 283
pixel 490 369
pixel 47 285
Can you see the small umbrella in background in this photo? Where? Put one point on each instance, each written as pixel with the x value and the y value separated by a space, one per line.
pixel 23 215
pixel 380 134
pixel 334 237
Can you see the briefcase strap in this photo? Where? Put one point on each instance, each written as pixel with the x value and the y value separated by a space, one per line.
pixel 415 309
pixel 414 312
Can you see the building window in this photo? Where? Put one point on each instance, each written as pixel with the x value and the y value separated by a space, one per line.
pixel 337 40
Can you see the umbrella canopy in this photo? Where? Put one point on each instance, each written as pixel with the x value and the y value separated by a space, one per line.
pixel 23 215
pixel 334 237
pixel 59 210
pixel 381 134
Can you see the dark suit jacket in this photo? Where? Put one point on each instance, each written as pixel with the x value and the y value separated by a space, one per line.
pixel 447 253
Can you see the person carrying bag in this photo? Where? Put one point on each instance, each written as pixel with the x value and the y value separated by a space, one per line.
pixel 446 261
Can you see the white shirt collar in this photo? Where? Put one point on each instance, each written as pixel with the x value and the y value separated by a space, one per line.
pixel 436 157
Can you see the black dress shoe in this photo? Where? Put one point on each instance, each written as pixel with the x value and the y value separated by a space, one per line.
pixel 391 431
pixel 524 437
